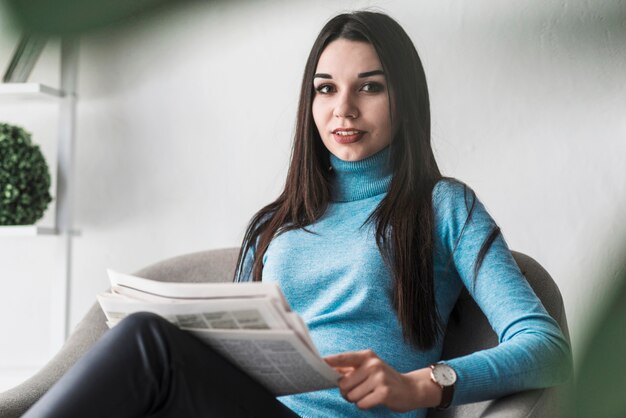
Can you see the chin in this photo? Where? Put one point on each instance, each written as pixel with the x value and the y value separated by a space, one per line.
pixel 354 155
pixel 349 156
pixel 346 153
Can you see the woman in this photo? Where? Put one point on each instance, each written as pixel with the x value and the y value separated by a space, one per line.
pixel 371 246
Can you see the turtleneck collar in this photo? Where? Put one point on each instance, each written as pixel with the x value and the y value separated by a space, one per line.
pixel 357 180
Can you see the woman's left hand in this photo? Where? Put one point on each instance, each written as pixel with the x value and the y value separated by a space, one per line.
pixel 368 381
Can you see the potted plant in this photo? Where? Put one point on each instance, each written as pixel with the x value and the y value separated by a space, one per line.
pixel 24 178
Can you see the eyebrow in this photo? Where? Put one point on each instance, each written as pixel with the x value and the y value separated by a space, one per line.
pixel 360 75
pixel 371 73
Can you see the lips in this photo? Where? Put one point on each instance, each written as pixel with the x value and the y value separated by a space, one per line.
pixel 347 135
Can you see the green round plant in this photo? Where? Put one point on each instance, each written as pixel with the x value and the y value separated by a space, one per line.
pixel 24 178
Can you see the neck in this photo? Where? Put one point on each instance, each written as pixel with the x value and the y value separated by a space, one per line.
pixel 357 180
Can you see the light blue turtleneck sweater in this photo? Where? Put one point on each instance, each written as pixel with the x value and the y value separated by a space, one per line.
pixel 335 278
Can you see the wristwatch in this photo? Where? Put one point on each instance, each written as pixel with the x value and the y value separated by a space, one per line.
pixel 445 377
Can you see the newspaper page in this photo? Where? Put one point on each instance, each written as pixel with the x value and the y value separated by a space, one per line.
pixel 257 313
pixel 302 331
pixel 177 290
pixel 251 324
pixel 278 359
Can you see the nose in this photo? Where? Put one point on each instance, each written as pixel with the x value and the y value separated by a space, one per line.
pixel 345 107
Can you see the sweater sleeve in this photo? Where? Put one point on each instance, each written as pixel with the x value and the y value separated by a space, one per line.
pixel 532 351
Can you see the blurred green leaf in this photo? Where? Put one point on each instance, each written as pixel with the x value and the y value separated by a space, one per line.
pixel 62 17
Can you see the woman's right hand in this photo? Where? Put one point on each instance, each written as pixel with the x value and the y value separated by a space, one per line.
pixel 368 381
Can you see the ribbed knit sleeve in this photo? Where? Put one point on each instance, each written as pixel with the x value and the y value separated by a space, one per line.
pixel 532 351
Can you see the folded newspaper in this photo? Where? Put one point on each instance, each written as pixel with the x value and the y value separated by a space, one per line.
pixel 251 324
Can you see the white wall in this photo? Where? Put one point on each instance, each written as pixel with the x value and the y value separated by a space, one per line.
pixel 185 122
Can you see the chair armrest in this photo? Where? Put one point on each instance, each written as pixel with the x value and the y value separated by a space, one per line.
pixel 532 403
pixel 14 402
pixel 537 403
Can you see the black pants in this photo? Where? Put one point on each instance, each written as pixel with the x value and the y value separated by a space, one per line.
pixel 147 367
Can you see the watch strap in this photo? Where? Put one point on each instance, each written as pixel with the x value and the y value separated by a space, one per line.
pixel 447 392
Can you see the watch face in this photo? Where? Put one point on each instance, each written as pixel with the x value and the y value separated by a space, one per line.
pixel 444 374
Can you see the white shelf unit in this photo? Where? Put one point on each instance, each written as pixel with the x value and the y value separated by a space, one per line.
pixel 18 92
pixel 26 231
pixel 29 91
pixel 65 96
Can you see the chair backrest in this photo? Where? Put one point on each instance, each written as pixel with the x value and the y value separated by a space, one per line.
pixel 204 266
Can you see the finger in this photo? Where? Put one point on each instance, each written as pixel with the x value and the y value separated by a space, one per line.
pixel 344 370
pixel 351 380
pixel 372 399
pixel 360 374
pixel 360 391
pixel 349 359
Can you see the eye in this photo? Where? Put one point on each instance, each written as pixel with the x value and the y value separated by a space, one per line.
pixel 324 88
pixel 372 87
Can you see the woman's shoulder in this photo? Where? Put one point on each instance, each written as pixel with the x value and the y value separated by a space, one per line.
pixel 450 195
pixel 457 208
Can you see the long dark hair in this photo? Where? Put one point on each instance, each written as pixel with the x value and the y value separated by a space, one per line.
pixel 404 218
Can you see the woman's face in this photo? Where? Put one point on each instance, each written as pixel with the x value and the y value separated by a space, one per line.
pixel 351 103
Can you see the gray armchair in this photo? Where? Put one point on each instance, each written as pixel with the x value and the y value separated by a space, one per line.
pixel 471 333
